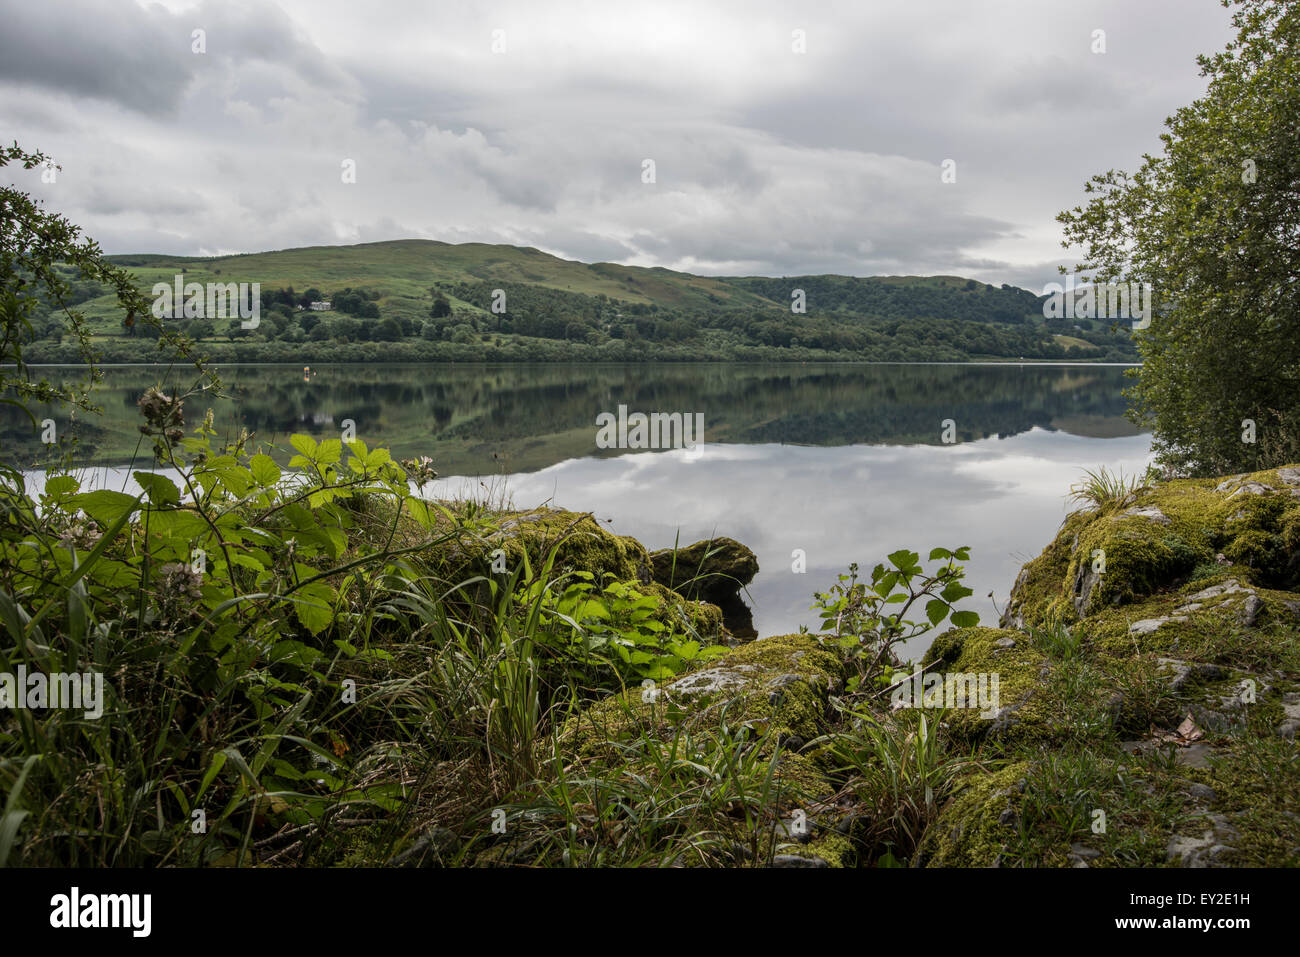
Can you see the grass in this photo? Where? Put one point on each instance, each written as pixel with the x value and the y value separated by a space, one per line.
pixel 1103 488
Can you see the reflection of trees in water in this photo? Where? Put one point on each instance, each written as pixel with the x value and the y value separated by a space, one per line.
pixel 405 406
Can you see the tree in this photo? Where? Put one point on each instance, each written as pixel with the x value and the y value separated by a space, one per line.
pixel 388 331
pixel 441 308
pixel 1214 224
pixel 344 329
pixel 34 245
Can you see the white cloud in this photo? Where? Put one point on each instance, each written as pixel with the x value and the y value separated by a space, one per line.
pixel 768 161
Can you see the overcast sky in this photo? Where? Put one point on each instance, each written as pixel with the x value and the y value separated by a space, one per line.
pixel 767 161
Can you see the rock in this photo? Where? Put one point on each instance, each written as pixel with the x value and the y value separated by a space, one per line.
pixel 436 847
pixel 1202 792
pixel 1081 852
pixel 1209 848
pixel 1291 708
pixel 718 567
pixel 1289 476
pixel 1148 512
pixel 1182 671
pixel 714 680
pixel 713 571
pixel 1250 610
pixel 798 860
pixel 1147 625
pixel 1005 643
pixel 1231 586
pixel 795 829
pixel 1194 756
pixel 1252 488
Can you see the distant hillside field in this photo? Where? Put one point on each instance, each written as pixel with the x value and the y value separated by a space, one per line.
pixel 423 300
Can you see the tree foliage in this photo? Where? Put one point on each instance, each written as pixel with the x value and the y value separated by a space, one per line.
pixel 39 252
pixel 1214 224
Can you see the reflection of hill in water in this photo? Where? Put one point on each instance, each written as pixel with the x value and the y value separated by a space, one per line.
pixel 475 419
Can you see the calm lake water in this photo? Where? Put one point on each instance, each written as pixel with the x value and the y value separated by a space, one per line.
pixel 846 462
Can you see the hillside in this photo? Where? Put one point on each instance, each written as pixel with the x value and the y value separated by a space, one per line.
pixel 422 300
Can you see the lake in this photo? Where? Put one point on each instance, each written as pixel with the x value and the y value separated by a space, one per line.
pixel 846 462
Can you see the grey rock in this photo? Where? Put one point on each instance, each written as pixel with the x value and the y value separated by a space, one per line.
pixel 1195 756
pixel 793 830
pixel 1252 488
pixel 1230 587
pixel 1147 625
pixel 1149 512
pixel 785 680
pixel 1083 852
pixel 1202 792
pixel 1181 672
pixel 1250 610
pixel 712 680
pixel 798 860
pixel 434 848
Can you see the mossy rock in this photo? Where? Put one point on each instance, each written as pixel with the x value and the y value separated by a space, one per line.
pixel 696 618
pixel 973 828
pixel 1020 669
pixel 777 688
pixel 1155 538
pixel 580 544
pixel 714 570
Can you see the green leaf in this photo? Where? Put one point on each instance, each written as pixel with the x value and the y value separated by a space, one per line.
pixel 314 606
pixel 965 619
pixel 304 444
pixel 57 486
pixel 177 524
pixel 329 451
pixel 265 471
pixel 903 559
pixel 936 610
pixel 939 553
pixel 160 489
pixel 955 591
pixel 106 506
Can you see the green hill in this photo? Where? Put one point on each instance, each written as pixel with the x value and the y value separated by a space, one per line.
pixel 422 300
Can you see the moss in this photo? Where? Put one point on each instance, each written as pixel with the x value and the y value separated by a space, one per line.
pixel 713 569
pixel 971 830
pixel 691 617
pixel 1040 594
pixel 1020 670
pixel 776 688
pixel 833 848
pixel 466 545
pixel 1154 540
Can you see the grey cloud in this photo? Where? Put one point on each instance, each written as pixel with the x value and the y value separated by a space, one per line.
pixel 125 54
